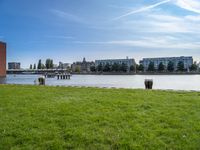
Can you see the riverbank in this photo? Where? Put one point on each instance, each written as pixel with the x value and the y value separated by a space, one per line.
pixel 138 73
pixel 34 117
pixel 38 72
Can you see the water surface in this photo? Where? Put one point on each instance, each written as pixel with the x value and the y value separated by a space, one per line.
pixel 175 82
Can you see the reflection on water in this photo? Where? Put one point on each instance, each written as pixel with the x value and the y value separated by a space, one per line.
pixel 176 82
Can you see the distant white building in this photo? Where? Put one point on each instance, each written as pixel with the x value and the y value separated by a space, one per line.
pixel 128 62
pixel 188 61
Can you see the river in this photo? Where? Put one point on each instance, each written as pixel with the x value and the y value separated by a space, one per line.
pixel 173 82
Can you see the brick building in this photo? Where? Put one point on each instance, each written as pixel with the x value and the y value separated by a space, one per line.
pixel 2 59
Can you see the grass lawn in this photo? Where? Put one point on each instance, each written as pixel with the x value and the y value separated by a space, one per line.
pixel 33 117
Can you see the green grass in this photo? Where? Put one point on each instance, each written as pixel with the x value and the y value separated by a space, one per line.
pixel 33 117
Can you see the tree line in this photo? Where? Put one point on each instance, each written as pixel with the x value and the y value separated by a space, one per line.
pixel 116 67
pixel 140 68
pixel 48 64
pixel 169 68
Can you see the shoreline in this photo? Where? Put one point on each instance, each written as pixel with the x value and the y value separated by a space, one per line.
pixel 178 73
pixel 99 87
pixel 145 73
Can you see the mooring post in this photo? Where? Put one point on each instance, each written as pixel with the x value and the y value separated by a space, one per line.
pixel 148 83
pixel 41 80
pixel 69 76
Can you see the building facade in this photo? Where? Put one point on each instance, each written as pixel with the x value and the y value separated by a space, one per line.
pixel 83 66
pixel 188 61
pixel 14 65
pixel 128 62
pixel 63 65
pixel 2 59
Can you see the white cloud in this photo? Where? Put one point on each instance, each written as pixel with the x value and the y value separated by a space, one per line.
pixel 191 5
pixel 67 16
pixel 164 42
pixel 160 22
pixel 59 37
pixel 142 9
pixel 193 18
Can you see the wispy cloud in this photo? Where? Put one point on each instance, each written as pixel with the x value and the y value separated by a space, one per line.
pixel 164 42
pixel 160 22
pixel 67 16
pixel 142 9
pixel 59 37
pixel 191 5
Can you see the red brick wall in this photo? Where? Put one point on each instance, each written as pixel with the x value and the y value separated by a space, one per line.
pixel 2 59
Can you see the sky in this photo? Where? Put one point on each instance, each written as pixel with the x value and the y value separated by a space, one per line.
pixel 68 30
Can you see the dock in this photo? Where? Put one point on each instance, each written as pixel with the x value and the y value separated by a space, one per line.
pixel 63 76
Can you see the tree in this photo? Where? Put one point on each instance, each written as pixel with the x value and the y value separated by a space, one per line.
pixel 34 66
pixel 43 66
pixel 39 64
pixel 132 68
pixel 49 63
pixel 106 68
pixel 151 66
pixel 92 68
pixel 170 66
pixel 115 67
pixel 161 67
pixel 123 67
pixel 194 67
pixel 100 67
pixel 140 67
pixel 31 66
pixel 77 69
pixel 180 66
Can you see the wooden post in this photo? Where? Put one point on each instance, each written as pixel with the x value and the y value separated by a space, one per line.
pixel 148 83
pixel 41 80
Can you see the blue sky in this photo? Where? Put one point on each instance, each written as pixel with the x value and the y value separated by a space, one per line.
pixel 68 30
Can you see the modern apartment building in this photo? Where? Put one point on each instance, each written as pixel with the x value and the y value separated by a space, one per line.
pixel 188 61
pixel 14 65
pixel 2 59
pixel 128 62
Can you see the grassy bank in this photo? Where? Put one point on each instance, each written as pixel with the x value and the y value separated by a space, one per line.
pixel 34 117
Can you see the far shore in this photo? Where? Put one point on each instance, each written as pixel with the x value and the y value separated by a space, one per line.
pixel 141 73
pixel 119 73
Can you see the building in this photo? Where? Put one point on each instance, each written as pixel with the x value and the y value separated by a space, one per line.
pixel 128 62
pixel 188 61
pixel 198 66
pixel 14 65
pixel 83 66
pixel 2 59
pixel 63 65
